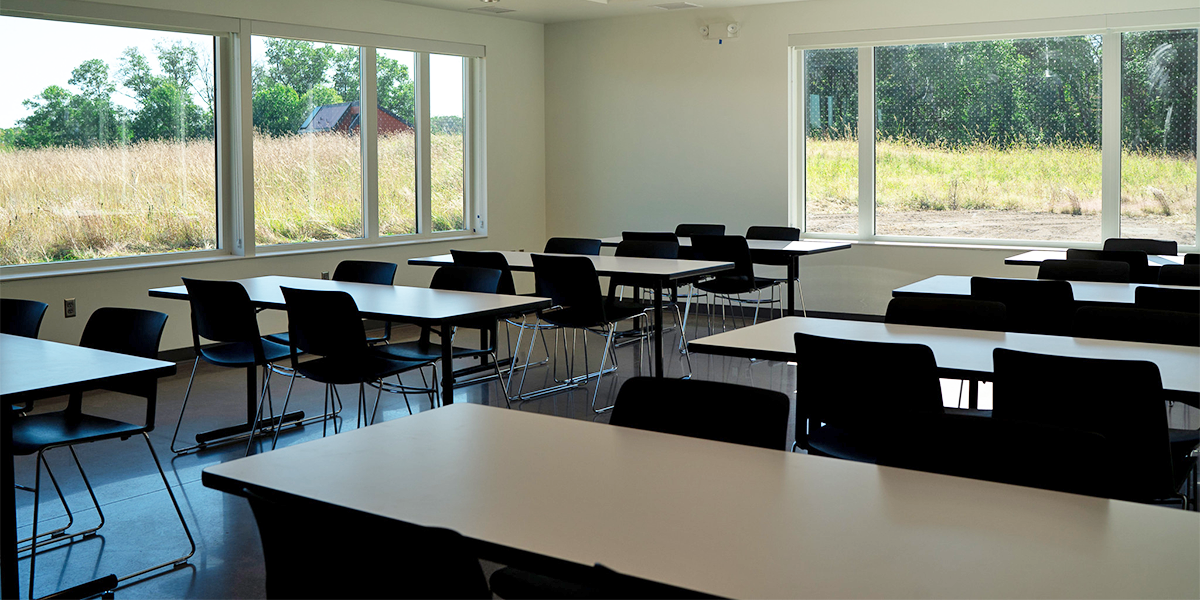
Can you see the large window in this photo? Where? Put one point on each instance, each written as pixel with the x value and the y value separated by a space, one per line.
pixel 107 142
pixel 1003 139
pixel 397 142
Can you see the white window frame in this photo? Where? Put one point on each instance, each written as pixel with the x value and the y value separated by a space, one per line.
pixel 1109 26
pixel 234 132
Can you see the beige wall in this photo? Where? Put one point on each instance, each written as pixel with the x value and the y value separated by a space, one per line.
pixel 516 163
pixel 648 125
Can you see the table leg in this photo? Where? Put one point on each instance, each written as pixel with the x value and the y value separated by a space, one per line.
pixel 9 569
pixel 447 366
pixel 658 328
pixel 251 395
pixel 251 410
pixel 793 270
pixel 973 395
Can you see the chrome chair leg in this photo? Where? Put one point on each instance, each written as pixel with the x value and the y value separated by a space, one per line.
pixel 600 373
pixel 286 398
pixel 186 394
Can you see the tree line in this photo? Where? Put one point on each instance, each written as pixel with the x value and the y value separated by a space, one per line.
pixel 1011 92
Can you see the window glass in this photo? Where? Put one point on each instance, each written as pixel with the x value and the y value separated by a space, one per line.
pixel 397 142
pixel 447 102
pixel 995 139
pixel 1158 135
pixel 307 150
pixel 831 144
pixel 107 144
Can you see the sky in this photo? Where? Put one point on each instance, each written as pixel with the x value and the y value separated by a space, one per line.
pixel 52 49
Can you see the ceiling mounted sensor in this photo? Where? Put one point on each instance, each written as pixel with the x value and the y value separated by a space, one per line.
pixel 676 5
pixel 491 9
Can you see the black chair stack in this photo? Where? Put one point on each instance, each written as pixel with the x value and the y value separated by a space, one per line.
pixel 1030 305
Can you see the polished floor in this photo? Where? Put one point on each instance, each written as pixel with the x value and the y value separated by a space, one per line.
pixel 141 528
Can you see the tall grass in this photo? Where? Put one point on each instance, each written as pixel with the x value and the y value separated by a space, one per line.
pixel 152 197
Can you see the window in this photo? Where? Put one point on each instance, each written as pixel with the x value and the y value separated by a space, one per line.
pixel 447 103
pixel 1158 135
pixel 394 70
pixel 107 142
pixel 1007 139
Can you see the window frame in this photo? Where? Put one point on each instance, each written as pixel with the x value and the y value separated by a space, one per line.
pixel 1109 27
pixel 234 183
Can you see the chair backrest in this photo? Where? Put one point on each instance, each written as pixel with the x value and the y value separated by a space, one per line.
pixel 903 380
pixel 1030 305
pixel 959 313
pixel 711 410
pixel 1142 245
pixel 125 331
pixel 1167 299
pixel 773 232
pixel 466 279
pixel 571 283
pixel 488 260
pixel 324 323
pixel 1001 450
pixel 1191 258
pixel 365 271
pixel 1139 267
pixel 649 236
pixel 1179 275
pixel 357 555
pixel 565 245
pixel 21 317
pixel 1138 325
pixel 1122 401
pixel 1085 270
pixel 648 248
pixel 221 312
pixel 725 248
pixel 690 229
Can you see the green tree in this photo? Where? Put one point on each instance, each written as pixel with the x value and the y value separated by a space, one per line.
pixel 93 118
pixel 318 96
pixel 277 110
pixel 48 125
pixel 135 73
pixel 346 73
pixel 168 113
pixel 297 64
pixel 395 88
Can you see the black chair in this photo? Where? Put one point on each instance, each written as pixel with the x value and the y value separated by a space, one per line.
pixel 573 286
pixel 21 317
pixel 222 312
pixel 690 229
pixel 1030 305
pixel 856 421
pixel 1179 275
pixel 1140 270
pixel 125 331
pixel 1191 258
pixel 777 234
pixel 351 554
pixel 325 324
pixel 1138 325
pixel 667 249
pixel 565 245
pixel 592 583
pixel 711 410
pixel 731 284
pixel 358 271
pixel 958 313
pixel 1085 270
pixel 1142 245
pixel 1158 298
pixel 1125 405
pixel 460 279
pixel 649 236
pixel 773 232
pixel 488 260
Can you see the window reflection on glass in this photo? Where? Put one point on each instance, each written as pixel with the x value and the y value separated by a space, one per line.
pixel 447 102
pixel 831 144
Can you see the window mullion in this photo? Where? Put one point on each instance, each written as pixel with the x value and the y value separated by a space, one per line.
pixel 797 207
pixel 1110 136
pixel 866 143
pixel 424 148
pixel 242 145
pixel 369 136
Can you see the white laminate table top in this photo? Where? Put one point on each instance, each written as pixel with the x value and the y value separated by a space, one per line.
pixel 1084 291
pixel 659 268
pixel 31 369
pixel 962 350
pixel 395 302
pixel 800 247
pixel 732 520
pixel 1035 257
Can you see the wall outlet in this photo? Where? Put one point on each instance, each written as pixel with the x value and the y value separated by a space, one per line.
pixel 324 274
pixel 69 307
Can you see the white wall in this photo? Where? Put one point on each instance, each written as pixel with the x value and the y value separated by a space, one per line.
pixel 516 163
pixel 648 125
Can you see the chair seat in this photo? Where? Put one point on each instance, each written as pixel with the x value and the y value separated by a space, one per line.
pixel 735 284
pixel 241 354
pixel 426 351
pixel 355 369
pixel 35 432
pixel 567 317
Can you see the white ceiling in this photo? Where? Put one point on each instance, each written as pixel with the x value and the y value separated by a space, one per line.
pixel 556 11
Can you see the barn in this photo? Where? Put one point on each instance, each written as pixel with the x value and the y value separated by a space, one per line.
pixel 344 117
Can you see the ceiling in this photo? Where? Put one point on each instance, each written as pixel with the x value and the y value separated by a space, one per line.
pixel 557 11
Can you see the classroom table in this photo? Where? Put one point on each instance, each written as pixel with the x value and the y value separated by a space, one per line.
pixel 655 273
pixel 960 353
pixel 1083 291
pixel 422 306
pixel 726 519
pixel 1034 258
pixel 771 252
pixel 31 370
